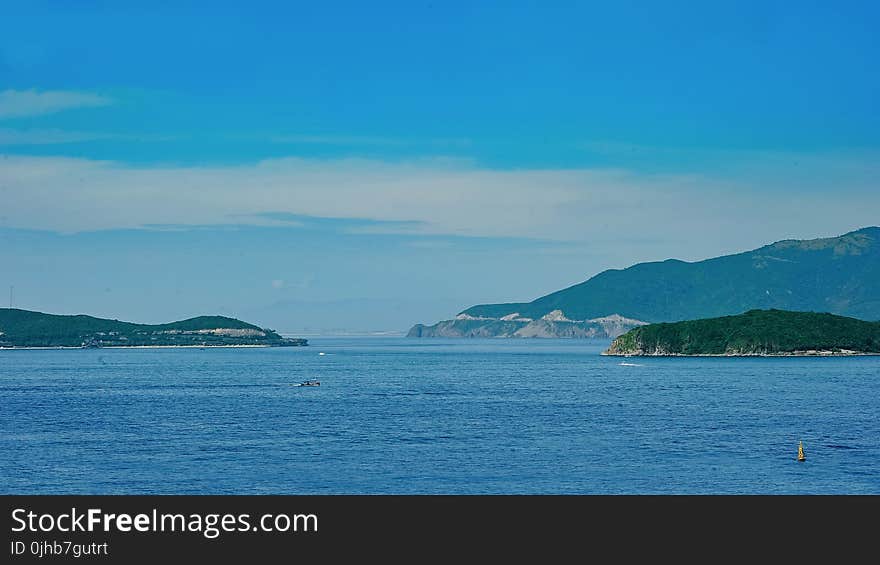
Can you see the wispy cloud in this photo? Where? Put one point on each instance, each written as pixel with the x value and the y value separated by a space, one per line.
pixel 13 137
pixel 377 141
pixel 606 208
pixel 335 140
pixel 26 103
pixel 47 136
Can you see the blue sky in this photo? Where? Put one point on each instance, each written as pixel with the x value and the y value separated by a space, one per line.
pixel 371 165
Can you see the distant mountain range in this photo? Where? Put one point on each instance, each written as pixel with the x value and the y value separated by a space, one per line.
pixel 24 328
pixel 840 275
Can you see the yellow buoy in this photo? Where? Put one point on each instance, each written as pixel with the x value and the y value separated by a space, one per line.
pixel 801 456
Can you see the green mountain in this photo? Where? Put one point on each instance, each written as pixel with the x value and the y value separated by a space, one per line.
pixel 840 275
pixel 23 328
pixel 757 332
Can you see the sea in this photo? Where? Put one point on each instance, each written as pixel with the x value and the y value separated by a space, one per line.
pixel 434 416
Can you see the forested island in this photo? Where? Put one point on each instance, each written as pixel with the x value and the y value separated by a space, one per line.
pixel 756 332
pixel 24 328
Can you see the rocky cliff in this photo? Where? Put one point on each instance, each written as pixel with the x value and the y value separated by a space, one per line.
pixel 553 324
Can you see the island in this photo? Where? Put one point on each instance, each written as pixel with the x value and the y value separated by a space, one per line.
pixel 28 329
pixel 754 333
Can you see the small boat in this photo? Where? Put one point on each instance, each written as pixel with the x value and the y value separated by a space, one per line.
pixel 801 456
pixel 310 383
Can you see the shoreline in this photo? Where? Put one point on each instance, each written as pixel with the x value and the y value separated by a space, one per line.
pixel 810 353
pixel 138 347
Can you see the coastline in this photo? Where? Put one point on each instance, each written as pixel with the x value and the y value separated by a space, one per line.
pixel 808 353
pixel 138 347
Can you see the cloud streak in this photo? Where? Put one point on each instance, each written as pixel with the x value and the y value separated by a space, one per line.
pixel 377 141
pixel 18 137
pixel 436 197
pixel 49 136
pixel 28 103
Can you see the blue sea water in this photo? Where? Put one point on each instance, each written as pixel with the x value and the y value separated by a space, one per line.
pixel 434 416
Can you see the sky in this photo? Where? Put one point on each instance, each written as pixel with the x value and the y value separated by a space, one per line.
pixel 335 167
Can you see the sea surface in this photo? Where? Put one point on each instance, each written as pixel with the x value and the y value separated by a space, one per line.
pixel 396 415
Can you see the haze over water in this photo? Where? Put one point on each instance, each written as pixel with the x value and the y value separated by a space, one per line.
pixel 434 416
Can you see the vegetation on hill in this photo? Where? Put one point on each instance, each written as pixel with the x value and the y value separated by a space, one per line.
pixel 757 332
pixel 23 328
pixel 840 275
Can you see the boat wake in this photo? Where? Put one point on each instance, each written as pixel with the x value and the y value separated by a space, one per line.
pixel 307 383
pixel 625 364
